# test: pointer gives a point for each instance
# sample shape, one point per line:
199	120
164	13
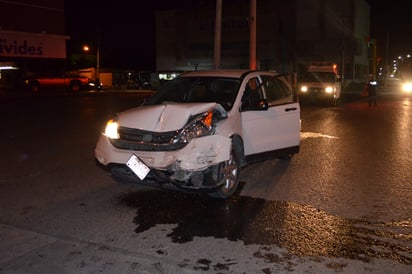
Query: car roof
231	73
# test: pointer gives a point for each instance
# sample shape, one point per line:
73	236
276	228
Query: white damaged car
198	130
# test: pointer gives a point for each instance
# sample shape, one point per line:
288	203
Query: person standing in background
372	91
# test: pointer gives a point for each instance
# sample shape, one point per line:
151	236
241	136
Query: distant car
198	130
406	84
66	82
407	87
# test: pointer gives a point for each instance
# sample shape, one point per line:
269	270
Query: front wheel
335	101
228	173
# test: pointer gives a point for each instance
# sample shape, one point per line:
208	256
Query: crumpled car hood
162	118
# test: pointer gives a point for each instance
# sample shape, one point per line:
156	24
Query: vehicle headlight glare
407	87
304	89
329	90
111	129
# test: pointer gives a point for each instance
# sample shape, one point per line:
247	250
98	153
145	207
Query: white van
320	83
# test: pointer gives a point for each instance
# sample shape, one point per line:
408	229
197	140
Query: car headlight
198	126
329	89
111	129
304	89
407	87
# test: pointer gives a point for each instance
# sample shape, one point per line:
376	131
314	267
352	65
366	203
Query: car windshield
319	77
197	89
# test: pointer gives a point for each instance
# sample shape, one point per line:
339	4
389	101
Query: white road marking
305	135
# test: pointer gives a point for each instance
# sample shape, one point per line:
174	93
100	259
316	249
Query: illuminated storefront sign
32	45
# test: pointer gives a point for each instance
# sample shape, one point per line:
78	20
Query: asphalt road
343	204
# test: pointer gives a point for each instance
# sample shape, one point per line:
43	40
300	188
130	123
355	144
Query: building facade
32	37
290	35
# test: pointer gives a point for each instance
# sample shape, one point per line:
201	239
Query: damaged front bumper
192	167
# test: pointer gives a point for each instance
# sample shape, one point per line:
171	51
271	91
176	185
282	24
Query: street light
86	48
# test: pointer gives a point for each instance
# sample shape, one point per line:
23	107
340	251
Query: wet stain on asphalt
302	229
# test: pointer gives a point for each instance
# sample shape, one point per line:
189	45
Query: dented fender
204	152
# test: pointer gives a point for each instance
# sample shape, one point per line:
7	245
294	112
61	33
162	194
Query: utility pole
218	34
98	58
252	46
342	78
386	58
374	67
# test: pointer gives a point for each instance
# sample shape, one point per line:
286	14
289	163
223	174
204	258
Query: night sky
391	24
127	33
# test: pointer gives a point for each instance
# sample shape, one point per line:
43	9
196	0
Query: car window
198	89
171	91
277	91
225	91
252	94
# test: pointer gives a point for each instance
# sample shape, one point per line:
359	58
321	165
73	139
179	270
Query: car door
274	127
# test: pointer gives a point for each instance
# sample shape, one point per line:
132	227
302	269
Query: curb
25	251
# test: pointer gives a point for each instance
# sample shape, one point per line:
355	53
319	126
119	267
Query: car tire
75	86
338	102
229	173
334	101
35	87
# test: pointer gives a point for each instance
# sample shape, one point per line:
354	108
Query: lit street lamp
97	76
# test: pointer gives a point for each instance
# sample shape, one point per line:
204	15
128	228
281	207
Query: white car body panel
259	127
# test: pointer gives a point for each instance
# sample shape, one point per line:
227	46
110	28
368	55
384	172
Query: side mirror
262	105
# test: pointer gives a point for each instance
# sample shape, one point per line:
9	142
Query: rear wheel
228	173
75	86
35	87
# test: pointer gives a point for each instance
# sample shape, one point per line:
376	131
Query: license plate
138	167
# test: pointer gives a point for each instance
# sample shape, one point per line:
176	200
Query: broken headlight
198	126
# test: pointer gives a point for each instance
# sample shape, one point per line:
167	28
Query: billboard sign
32	45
